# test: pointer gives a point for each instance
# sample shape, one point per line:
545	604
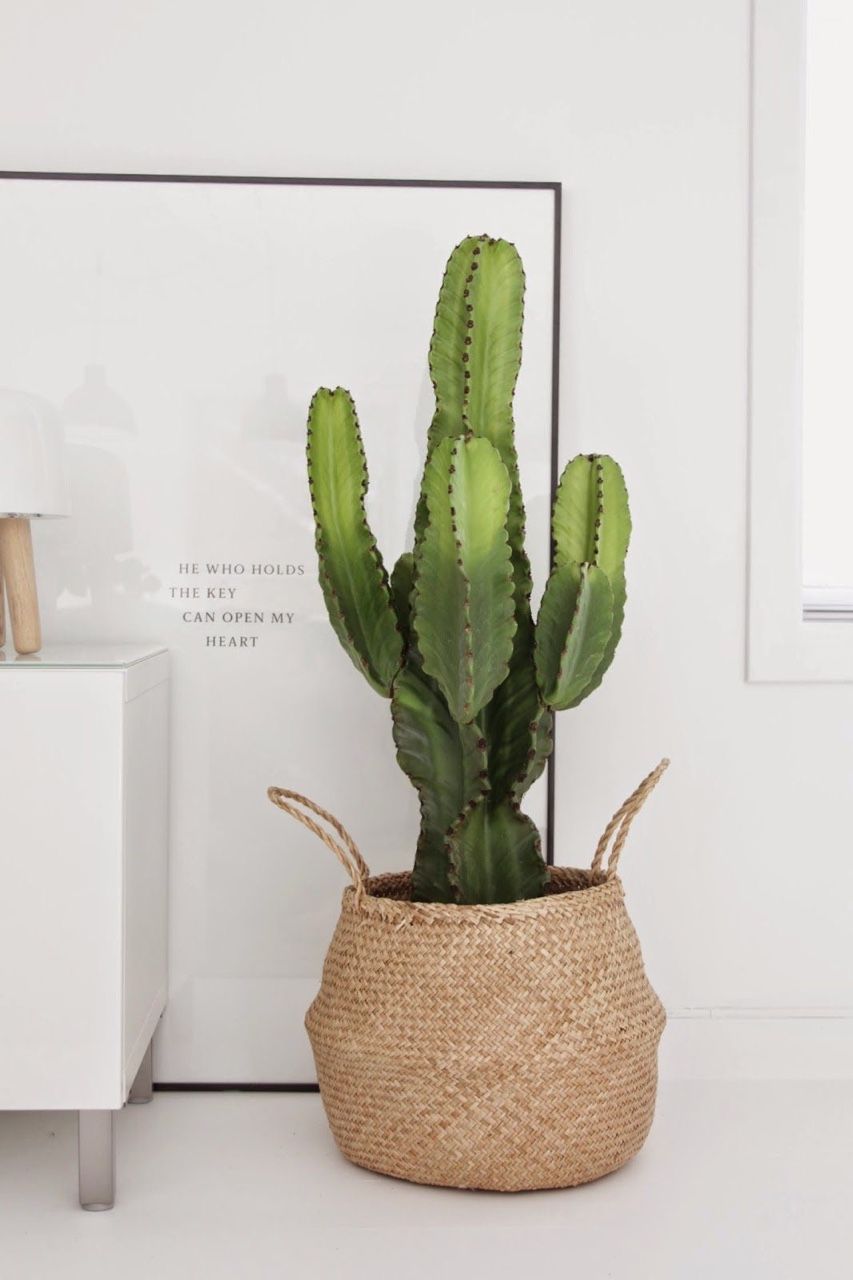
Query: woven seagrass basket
506	1047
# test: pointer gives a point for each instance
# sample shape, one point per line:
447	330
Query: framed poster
177	328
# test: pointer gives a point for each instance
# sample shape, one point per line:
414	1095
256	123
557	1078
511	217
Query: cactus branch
450	337
475	356
446	763
572	631
352	575
495	855
463	595
402	582
541	731
508	718
592	522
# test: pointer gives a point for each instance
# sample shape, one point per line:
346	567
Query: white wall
739	875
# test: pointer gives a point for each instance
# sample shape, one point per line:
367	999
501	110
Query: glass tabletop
80	655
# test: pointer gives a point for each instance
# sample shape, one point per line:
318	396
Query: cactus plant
449	637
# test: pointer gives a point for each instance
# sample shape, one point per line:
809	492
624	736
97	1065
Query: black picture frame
11	175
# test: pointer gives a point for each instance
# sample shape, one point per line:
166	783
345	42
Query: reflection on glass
96	404
273	416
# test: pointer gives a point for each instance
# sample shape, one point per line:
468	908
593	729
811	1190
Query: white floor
743	1180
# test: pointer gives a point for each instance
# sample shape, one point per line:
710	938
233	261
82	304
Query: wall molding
712	1042
760	1012
769	1043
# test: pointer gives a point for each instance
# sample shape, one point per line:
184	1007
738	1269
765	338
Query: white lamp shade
32	480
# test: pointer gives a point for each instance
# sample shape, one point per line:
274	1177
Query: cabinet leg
142	1089
97	1159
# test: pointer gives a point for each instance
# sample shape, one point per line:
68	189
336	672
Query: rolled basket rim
403	910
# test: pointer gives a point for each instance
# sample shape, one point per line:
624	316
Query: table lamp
32	486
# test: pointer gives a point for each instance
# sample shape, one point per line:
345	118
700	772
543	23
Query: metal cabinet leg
97	1159
142	1089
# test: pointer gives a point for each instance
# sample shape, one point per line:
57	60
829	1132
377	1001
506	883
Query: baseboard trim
758	1044
240	1086
710	1043
761	1013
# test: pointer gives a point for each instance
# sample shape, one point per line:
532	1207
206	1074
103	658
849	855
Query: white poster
177	330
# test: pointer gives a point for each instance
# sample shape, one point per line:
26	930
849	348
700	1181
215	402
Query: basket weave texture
503	1047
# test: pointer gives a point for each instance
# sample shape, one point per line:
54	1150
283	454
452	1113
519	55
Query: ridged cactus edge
449	636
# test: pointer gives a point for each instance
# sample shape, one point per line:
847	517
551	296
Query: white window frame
786	642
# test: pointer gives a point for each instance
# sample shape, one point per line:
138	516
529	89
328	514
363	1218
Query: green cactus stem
463	593
446	762
474	683
352	575
495	855
573	629
592	522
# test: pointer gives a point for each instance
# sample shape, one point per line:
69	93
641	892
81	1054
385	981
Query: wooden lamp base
17	572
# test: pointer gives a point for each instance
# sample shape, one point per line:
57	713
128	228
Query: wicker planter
505	1047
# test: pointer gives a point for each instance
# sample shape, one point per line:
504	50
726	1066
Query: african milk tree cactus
450	638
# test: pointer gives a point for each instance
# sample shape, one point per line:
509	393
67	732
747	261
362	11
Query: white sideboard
84	750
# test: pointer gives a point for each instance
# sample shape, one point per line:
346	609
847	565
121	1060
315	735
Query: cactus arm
492	359
475	356
447	346
352	575
402	581
506	724
575	512
617	586
592	522
613	540
541	738
463	595
446	763
446	368
475	352
572	631
496	317
508	717
495	855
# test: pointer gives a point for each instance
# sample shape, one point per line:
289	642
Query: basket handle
620	823
345	848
